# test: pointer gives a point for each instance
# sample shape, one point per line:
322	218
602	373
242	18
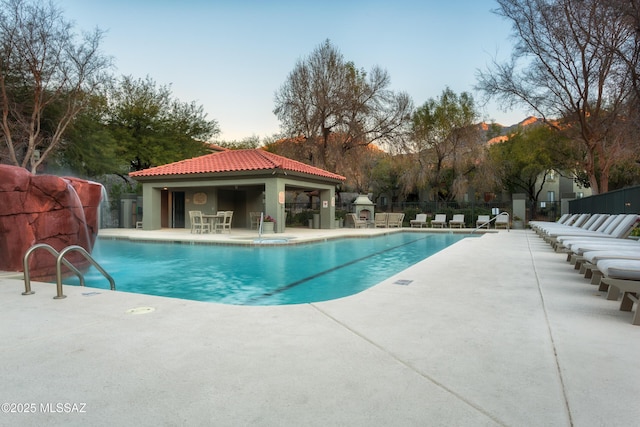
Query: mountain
503	132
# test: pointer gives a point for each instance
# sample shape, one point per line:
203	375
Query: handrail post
260	226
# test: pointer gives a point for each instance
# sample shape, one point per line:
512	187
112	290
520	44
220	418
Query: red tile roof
235	161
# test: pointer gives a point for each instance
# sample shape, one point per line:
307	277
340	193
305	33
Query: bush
409	214
470	215
341	213
302	218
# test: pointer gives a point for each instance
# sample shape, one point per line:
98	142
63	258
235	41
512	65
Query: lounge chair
502	221
536	225
381	220
483	221
576	254
225	224
357	222
198	225
440	221
622	275
572	223
617	229
420	221
595	223
457	221
562	220
605	227
395	220
587	262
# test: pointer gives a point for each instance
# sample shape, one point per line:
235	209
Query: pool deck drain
141	310
498	330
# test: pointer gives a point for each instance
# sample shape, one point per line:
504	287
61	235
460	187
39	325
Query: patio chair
381	219
483	221
457	221
502	221
254	220
198	224
440	221
419	222
395	220
357	222
225	224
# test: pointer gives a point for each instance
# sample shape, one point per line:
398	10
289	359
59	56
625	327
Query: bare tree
628	12
325	95
46	77
560	68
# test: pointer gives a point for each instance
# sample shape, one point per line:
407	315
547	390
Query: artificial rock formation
45	209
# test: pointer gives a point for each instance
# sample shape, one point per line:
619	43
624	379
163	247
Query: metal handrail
492	220
88	258
260	225
52	251
59	261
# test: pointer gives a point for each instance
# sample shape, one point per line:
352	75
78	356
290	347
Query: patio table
213	219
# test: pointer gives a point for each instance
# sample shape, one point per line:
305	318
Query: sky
231	56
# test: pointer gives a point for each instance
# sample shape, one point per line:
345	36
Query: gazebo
242	181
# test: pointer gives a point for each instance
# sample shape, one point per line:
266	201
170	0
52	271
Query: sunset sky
232	56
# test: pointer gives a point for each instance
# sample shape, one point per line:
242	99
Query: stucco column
274	202
328	208
151	207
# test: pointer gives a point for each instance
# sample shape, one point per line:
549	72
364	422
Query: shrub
409	214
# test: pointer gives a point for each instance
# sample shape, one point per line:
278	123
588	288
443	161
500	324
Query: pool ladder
59	261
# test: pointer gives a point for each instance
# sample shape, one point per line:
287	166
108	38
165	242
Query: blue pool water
260	275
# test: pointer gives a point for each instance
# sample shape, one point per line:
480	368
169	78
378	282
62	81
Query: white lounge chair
420	221
457	221
604	230
622	275
536	225
615	230
440	221
502	221
592	223
483	221
587	262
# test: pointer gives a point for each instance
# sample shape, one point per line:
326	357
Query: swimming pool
260	275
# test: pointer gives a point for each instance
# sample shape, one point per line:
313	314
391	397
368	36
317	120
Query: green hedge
470	215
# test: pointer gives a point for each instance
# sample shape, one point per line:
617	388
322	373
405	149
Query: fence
301	213
626	200
543	211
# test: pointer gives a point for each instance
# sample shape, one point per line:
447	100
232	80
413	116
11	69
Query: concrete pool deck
497	330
